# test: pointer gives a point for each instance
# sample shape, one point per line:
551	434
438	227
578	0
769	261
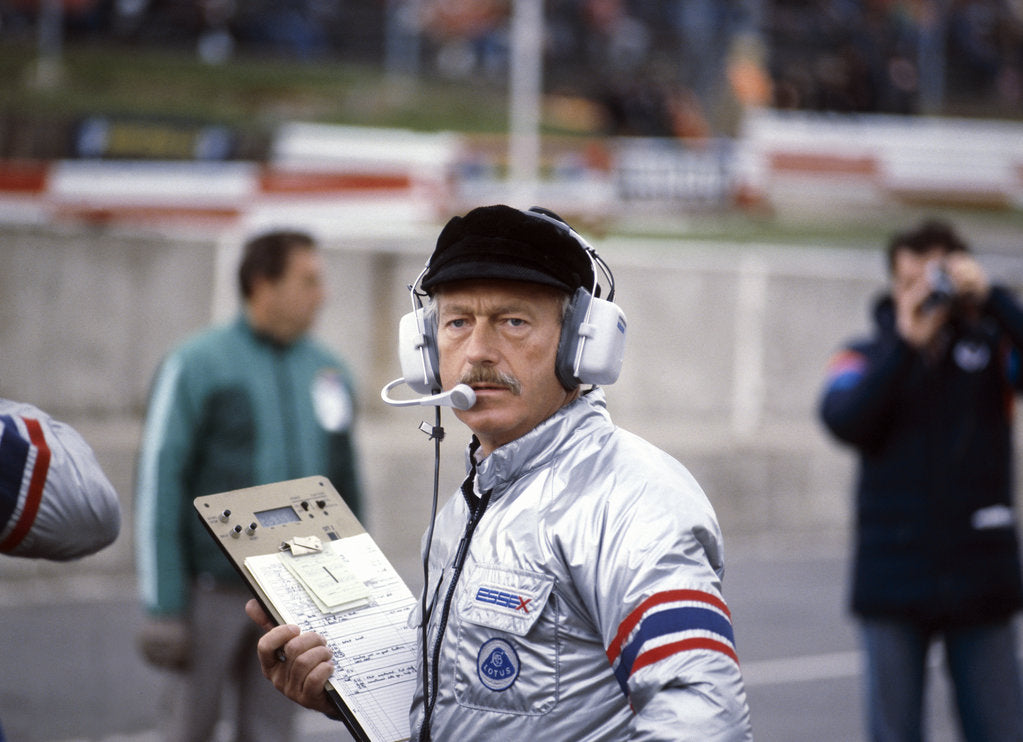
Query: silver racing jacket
55	501
589	605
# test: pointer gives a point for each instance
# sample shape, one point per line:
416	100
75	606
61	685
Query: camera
943	291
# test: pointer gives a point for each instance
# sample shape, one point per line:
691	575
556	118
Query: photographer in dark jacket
927	403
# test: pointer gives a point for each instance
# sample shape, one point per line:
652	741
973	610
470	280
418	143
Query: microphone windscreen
462	396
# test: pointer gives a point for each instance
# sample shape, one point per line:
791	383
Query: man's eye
516	321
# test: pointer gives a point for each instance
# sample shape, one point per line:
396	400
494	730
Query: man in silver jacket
575	580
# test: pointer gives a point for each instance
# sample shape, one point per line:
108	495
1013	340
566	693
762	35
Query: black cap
502	242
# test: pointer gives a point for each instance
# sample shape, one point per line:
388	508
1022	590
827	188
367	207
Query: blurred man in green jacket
247	403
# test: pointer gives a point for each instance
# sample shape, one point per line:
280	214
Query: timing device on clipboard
311	563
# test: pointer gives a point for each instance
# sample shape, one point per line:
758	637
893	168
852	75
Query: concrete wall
85	315
726	349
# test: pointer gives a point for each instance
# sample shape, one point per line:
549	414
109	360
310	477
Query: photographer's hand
970	280
916	324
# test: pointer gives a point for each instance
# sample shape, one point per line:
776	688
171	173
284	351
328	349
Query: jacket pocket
507	643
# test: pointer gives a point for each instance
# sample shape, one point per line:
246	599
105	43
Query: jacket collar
244	322
537	448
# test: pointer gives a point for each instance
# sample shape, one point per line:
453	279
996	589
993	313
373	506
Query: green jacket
229	409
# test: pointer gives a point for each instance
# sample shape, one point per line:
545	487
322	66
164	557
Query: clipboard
310	562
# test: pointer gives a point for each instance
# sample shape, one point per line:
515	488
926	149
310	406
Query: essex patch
508	600
515	601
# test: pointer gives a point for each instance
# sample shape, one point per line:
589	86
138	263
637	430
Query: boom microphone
460	396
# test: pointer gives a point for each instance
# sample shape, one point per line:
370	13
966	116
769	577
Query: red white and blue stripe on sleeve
23	468
845	369
670	623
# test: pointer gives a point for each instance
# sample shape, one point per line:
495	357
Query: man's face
292	302
501	338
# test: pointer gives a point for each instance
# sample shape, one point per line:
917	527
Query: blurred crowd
888	55
648	67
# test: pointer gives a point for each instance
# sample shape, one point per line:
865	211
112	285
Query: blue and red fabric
845	369
23	468
667	624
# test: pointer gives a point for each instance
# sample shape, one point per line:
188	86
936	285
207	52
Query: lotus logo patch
497	664
971	355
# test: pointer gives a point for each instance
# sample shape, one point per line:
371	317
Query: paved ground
70	672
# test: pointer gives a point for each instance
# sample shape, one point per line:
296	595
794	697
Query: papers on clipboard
351	595
325	575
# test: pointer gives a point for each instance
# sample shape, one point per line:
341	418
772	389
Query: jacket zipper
456	571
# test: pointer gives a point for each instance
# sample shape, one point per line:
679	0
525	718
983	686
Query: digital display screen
277	516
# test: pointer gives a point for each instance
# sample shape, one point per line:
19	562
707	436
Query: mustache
490	376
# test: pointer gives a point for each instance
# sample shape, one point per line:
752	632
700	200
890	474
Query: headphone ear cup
417	352
568	345
602	337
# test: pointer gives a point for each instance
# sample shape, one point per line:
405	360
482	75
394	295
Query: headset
590	351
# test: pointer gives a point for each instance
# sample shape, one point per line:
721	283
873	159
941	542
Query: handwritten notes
365	625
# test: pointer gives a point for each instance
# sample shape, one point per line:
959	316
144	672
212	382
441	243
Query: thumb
255	611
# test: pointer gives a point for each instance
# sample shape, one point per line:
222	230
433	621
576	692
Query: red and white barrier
350	180
328	178
822	161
